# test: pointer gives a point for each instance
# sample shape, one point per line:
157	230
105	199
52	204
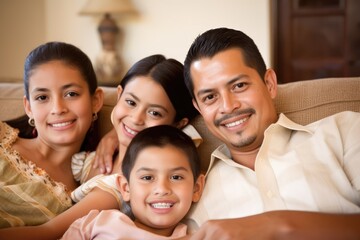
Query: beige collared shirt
310	168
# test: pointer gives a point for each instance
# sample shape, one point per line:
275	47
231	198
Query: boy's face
161	188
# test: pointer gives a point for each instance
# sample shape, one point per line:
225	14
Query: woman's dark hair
72	56
169	73
217	40
160	136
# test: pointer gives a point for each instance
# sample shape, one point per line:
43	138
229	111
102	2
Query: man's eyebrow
230	82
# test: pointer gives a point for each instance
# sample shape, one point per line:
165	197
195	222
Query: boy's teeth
60	124
236	123
161	205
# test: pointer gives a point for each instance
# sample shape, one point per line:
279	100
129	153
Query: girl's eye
130	102
41	98
155	113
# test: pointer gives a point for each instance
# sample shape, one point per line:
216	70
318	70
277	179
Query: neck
246	159
118	161
167	232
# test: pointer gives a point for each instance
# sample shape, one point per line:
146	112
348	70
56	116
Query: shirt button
269	194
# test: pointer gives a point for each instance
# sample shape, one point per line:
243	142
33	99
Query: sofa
303	102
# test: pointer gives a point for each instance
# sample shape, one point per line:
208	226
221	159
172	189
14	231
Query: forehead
146	88
167	157
223	66
56	72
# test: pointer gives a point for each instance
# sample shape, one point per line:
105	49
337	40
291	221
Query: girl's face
60	103
142	104
161	188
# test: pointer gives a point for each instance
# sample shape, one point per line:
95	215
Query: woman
151	93
61	101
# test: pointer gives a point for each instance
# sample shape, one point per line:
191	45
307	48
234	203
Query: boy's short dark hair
160	136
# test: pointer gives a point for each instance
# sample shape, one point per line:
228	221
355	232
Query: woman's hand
105	151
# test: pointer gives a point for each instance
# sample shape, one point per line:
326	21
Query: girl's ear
182	123
123	186
198	188
98	100
27	107
119	91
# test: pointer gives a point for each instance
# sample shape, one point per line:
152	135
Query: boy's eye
71	94
177	177
147	178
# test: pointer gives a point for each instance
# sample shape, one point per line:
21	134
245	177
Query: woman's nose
59	106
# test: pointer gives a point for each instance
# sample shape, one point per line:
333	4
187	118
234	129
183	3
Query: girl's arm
56	227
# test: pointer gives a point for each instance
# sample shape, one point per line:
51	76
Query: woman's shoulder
8	135
81	165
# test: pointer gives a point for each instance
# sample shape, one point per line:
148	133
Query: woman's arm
56	227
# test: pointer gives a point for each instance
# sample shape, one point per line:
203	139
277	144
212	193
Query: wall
160	26
22	26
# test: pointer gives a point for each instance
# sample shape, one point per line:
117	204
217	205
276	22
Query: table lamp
108	66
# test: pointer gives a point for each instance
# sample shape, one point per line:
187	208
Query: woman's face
60	103
142	104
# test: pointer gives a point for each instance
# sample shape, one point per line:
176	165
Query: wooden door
316	39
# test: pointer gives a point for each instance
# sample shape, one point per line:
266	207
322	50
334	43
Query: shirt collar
222	152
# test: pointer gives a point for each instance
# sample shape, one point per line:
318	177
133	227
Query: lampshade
93	7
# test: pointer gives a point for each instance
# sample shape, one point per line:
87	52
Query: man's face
233	99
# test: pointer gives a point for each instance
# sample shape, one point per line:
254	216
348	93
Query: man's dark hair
217	40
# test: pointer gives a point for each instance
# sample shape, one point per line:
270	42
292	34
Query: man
272	178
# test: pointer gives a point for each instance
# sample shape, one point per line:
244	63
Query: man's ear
123	186
182	123
198	188
271	82
27	107
195	104
97	100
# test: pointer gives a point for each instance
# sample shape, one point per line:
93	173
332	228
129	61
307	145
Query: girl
61	102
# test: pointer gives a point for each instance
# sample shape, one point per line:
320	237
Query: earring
31	122
94	117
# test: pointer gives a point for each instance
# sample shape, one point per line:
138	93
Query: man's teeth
61	124
162	205
233	124
130	131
